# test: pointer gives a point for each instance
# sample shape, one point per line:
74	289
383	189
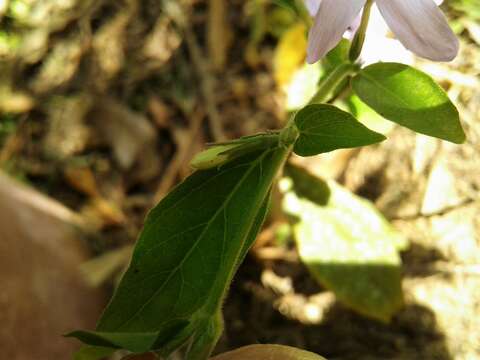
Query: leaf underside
184	260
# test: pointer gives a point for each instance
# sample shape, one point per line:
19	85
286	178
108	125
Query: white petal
421	27
332	20
312	6
379	45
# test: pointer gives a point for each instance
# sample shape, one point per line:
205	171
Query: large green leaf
185	258
348	247
409	98
325	128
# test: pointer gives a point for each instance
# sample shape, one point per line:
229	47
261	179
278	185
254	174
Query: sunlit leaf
409	98
264	352
185	258
349	248
325	128
367	116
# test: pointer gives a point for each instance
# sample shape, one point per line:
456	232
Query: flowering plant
194	240
418	24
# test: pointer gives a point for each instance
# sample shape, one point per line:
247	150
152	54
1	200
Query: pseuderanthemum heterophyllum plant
418	24
193	241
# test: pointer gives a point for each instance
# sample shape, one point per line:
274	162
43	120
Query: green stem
359	39
331	82
303	13
289	133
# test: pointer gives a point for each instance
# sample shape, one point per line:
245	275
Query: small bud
215	156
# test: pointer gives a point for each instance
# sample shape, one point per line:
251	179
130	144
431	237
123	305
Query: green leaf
186	256
93	353
221	153
349	248
409	98
213	156
367	116
319	193
138	342
325	128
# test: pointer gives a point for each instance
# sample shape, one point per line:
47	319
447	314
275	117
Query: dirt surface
104	104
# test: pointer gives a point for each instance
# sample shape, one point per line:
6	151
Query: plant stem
359	39
332	81
290	133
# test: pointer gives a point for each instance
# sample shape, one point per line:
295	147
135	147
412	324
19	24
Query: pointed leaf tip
409	98
325	128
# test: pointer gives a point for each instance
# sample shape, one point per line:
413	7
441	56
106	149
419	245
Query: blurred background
103	103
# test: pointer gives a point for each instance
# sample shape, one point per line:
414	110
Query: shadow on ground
252	317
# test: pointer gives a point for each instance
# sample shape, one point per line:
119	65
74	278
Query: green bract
185	258
221	153
325	128
409	98
214	156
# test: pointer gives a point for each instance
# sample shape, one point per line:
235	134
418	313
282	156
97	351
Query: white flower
418	24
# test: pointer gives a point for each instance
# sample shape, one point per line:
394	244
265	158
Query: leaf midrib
187	255
383	87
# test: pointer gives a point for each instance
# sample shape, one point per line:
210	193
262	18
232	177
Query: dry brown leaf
108	47
15	102
128	133
67	133
61	64
81	179
162	41
102	213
